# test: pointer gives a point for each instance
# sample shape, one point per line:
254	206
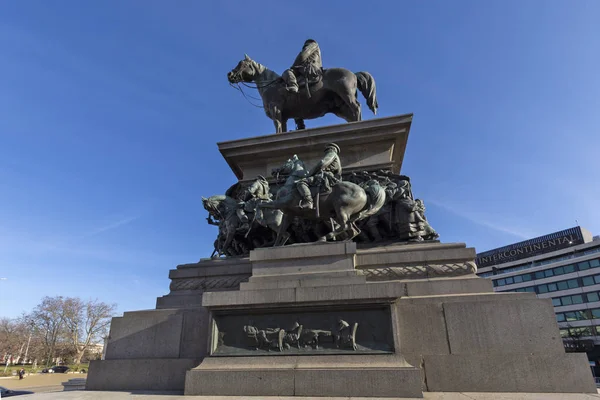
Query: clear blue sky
110	112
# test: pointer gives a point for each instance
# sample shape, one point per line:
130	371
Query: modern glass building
563	266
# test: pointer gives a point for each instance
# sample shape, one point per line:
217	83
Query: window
527	277
556	302
560	317
539	275
566	301
559	271
593	296
530	289
509	280
543	289
572	283
595	263
548	273
501	282
577	299
563	285
582	266
570	316
564	333
552	287
597	278
576	315
569	269
595	313
581	331
588	281
518	278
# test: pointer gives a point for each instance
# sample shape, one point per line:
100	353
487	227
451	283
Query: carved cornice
419	271
211	283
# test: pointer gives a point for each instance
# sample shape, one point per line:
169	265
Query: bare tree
86	323
49	322
12	339
66	327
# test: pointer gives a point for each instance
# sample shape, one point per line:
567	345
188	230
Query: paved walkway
39	382
48	387
84	395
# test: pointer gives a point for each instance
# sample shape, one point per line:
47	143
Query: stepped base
319	376
445	334
160	374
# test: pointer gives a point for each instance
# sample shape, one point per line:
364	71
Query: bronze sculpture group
301	205
320	204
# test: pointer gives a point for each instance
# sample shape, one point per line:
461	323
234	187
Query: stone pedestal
312	285
447	333
328	319
366	146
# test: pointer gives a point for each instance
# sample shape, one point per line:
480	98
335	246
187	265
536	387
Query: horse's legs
230	234
299	123
342	220
342	217
281	235
277	124
354	229
280	124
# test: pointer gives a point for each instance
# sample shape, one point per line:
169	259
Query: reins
244	94
256	86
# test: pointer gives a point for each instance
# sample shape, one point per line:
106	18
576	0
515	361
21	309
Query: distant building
563	266
95	351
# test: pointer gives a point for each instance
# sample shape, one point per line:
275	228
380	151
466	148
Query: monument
326	277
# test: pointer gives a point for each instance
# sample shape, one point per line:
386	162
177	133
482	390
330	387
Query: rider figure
308	64
330	166
254	194
258	190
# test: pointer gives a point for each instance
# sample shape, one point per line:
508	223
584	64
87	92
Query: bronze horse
224	210
335	93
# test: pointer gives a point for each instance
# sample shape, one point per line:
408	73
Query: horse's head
291	165
245	71
212	205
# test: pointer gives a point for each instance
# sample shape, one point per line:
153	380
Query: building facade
563	266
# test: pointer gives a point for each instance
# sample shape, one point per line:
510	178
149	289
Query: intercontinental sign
530	248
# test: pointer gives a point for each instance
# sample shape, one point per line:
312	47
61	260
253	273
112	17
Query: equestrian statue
297	204
306	90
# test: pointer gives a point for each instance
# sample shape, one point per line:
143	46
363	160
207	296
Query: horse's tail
366	85
375	200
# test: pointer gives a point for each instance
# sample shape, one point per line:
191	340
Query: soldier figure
330	166
258	190
308	64
429	232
